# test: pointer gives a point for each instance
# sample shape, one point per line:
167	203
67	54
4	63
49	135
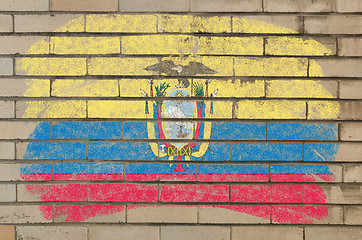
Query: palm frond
199	90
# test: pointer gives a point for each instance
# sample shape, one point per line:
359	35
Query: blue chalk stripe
238	131
120	151
88	168
87	130
266	151
299	169
233	169
320	152
303	131
36	168
58	150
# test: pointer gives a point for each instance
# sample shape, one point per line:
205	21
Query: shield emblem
179	109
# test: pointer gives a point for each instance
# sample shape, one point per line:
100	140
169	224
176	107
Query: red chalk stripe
266	193
194	193
233	178
123	192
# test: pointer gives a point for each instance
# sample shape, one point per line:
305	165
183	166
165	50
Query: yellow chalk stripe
271	109
168	23
132	87
121	23
37	88
194	24
120	66
295	46
221	109
222	65
296	67
315	70
247	25
156	44
51	66
75	25
323	109
117	109
296	89
85	45
84	88
230	45
55	109
235	88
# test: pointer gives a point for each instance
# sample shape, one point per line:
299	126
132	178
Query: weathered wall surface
180	119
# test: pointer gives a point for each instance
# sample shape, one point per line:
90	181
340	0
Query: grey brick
353	173
352	6
226	6
162	214
84	5
7	192
154	5
194	232
27	5
123	232
350	111
6	66
6	23
333	233
7	150
338	67
299	5
7	109
333	24
350	47
350	89
352	215
10	172
22	214
351	131
267	233
52	232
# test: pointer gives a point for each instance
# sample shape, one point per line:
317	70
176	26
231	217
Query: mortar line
164	77
13	23
222	13
240	120
190	99
85	22
304	233
230	230
339	89
159	232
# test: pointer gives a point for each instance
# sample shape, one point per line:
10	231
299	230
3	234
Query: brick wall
274	149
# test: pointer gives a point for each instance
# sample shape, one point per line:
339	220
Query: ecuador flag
149	115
